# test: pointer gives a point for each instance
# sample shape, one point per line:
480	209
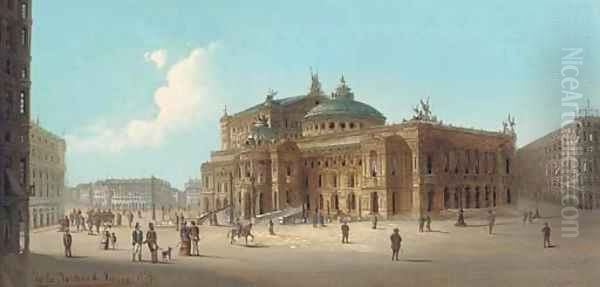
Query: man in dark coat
491	222
345	232
152	241
137	239
67	242
546	230
374	221
130	218
396	241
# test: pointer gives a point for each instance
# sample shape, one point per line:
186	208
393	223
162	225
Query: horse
245	231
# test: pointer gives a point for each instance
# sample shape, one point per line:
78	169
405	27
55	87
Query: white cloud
182	101
158	57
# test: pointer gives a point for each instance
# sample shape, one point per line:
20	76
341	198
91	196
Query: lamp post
153	199
26	219
230	198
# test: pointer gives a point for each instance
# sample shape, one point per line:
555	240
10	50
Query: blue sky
127	112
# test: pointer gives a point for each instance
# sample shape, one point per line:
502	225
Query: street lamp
230	198
153	199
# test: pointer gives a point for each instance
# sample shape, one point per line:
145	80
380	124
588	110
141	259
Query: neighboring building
127	193
47	170
564	163
15	58
192	193
337	155
180	198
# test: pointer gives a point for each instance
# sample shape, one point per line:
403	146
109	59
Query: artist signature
92	279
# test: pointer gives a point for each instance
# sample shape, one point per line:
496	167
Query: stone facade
192	193
47	169
337	155
564	166
15	58
137	193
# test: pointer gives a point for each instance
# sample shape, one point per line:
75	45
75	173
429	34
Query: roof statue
508	126
343	91
271	94
315	85
262	121
225	111
423	112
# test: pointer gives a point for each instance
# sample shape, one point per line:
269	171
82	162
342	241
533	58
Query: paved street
304	256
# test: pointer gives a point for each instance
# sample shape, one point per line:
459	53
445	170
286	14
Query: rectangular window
22	171
24	37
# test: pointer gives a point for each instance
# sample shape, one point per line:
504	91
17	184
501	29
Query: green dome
344	107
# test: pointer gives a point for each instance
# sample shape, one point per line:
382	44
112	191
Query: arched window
373	163
429	165
331	125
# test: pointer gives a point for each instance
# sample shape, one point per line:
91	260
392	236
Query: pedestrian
66	223
271	231
421	223
194	237
547	230
530	216
374	221
491	222
176	222
113	240
461	219
72	218
137	239
345	232
67	242
90	225
119	219
428	223
525	216
130	218
106	239
77	221
152	241
396	241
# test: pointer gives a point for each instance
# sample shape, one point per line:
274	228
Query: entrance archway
430	195
374	202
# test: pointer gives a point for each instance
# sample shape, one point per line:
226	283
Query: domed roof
343	104
344	107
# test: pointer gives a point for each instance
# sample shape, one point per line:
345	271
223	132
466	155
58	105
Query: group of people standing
190	237
137	240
